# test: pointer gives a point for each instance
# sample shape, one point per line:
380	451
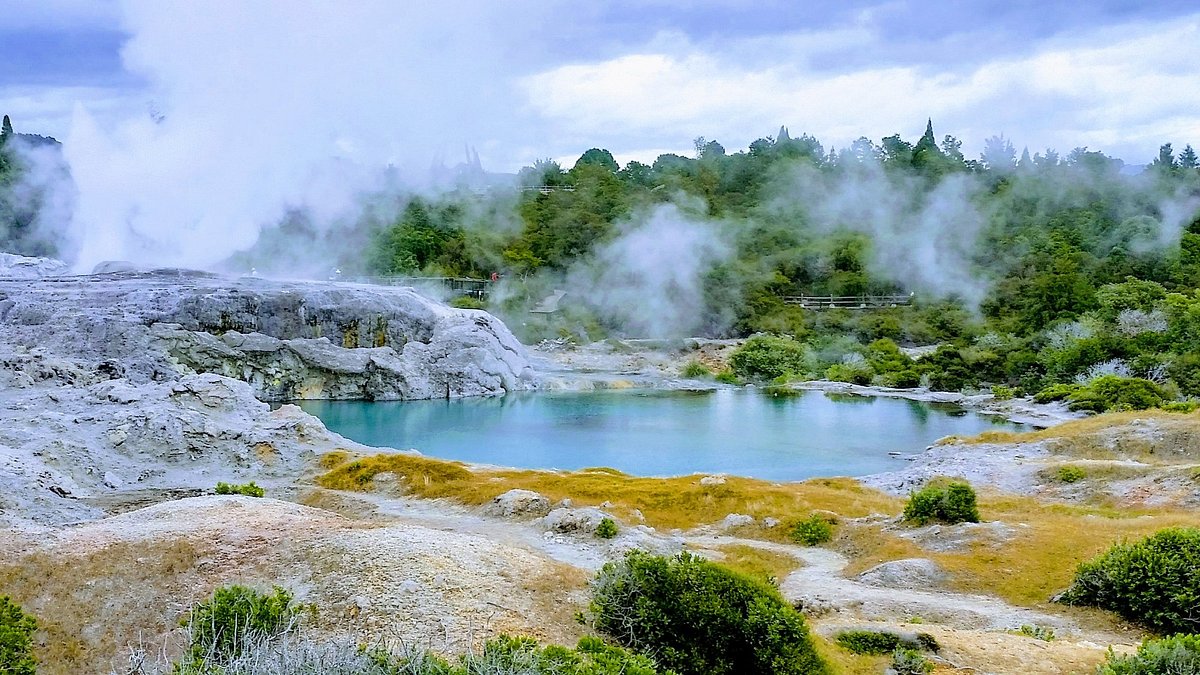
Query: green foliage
907	661
1154	582
1037	632
1069	474
222	625
1003	393
943	501
812	531
468	302
1056	392
1112	392
695	369
727	376
607	529
247	489
878	642
1175	655
695	617
765	357
16	637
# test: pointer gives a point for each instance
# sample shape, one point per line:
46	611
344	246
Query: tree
999	155
896	150
6	130
1187	158
1165	162
598	157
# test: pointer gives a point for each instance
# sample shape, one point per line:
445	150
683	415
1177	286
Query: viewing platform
849	301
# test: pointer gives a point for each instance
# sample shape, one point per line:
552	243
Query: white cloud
1116	89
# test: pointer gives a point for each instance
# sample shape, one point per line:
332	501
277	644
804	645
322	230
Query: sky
648	76
189	125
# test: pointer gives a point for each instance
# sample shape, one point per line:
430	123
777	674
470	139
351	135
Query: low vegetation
812	531
607	529
246	489
234	616
942	501
876	642
16	639
1154	582
1175	655
695	617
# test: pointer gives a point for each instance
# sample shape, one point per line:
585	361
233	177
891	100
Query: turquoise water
655	433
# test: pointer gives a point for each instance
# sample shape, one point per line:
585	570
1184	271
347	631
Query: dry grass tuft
758	563
664	502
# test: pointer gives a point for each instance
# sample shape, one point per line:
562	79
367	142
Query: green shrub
1070	474
1112	392
248	489
948	502
695	369
1154	582
696	617
607	529
1175	655
507	655
765	357
728	377
812	531
1055	392
468	302
879	642
855	373
16	639
1043	633
220	626
1003	393
907	661
1181	406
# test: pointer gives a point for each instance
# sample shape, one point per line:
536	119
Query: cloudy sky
640	77
189	124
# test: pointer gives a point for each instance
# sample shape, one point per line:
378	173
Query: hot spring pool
658	433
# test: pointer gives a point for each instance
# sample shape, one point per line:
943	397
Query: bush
854	373
877	643
812	531
16	639
1112	392
696	617
248	490
695	369
221	625
766	357
1055	392
1070	474
1176	655
910	662
1003	393
728	377
1154	582
948	502
607	529
1043	633
468	302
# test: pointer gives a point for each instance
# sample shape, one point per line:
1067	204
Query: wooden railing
476	288
848	301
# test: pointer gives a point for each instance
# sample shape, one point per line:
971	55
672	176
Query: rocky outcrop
24	267
288	340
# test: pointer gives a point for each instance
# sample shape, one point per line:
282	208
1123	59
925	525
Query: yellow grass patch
1086	427
758	563
664	502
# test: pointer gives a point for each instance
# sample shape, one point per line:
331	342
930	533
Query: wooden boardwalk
849	301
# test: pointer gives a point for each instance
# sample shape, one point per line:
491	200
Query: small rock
519	503
913	573
408	586
736	520
770	522
584	520
712	480
637	515
112	480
